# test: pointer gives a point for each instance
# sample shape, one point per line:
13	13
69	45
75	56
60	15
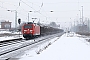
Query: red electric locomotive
30	30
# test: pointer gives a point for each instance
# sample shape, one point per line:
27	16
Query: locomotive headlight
25	30
31	31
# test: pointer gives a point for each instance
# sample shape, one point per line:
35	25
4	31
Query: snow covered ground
10	37
67	47
7	37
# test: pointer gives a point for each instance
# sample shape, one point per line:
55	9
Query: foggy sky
63	10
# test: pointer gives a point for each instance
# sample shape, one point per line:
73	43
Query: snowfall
69	46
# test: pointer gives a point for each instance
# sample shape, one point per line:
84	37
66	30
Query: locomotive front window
28	26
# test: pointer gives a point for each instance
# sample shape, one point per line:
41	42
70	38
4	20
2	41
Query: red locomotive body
30	30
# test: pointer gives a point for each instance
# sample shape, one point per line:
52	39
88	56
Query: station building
6	25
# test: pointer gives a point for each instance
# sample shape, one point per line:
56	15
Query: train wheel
27	38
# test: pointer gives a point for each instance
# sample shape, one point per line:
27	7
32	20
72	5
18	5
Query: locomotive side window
27	26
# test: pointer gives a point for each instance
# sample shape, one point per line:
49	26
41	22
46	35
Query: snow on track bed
65	48
27	43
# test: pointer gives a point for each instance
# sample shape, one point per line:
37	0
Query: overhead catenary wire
40	6
39	11
33	8
11	5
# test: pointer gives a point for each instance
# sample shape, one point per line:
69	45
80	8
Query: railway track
15	45
9	42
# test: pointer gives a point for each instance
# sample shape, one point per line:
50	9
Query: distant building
82	28
6	25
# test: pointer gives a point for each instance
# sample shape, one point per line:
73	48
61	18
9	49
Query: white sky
63	10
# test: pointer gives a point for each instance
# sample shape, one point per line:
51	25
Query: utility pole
88	25
15	19
82	14
74	27
71	25
28	17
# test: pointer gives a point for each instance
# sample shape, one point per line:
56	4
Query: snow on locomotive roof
29	22
32	23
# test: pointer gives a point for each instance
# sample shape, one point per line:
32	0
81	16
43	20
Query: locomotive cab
30	30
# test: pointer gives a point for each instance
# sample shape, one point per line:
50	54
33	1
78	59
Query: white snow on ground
68	47
6	31
10	37
1	32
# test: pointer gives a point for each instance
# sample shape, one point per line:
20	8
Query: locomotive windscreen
28	26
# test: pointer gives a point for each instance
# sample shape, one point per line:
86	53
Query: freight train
30	30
